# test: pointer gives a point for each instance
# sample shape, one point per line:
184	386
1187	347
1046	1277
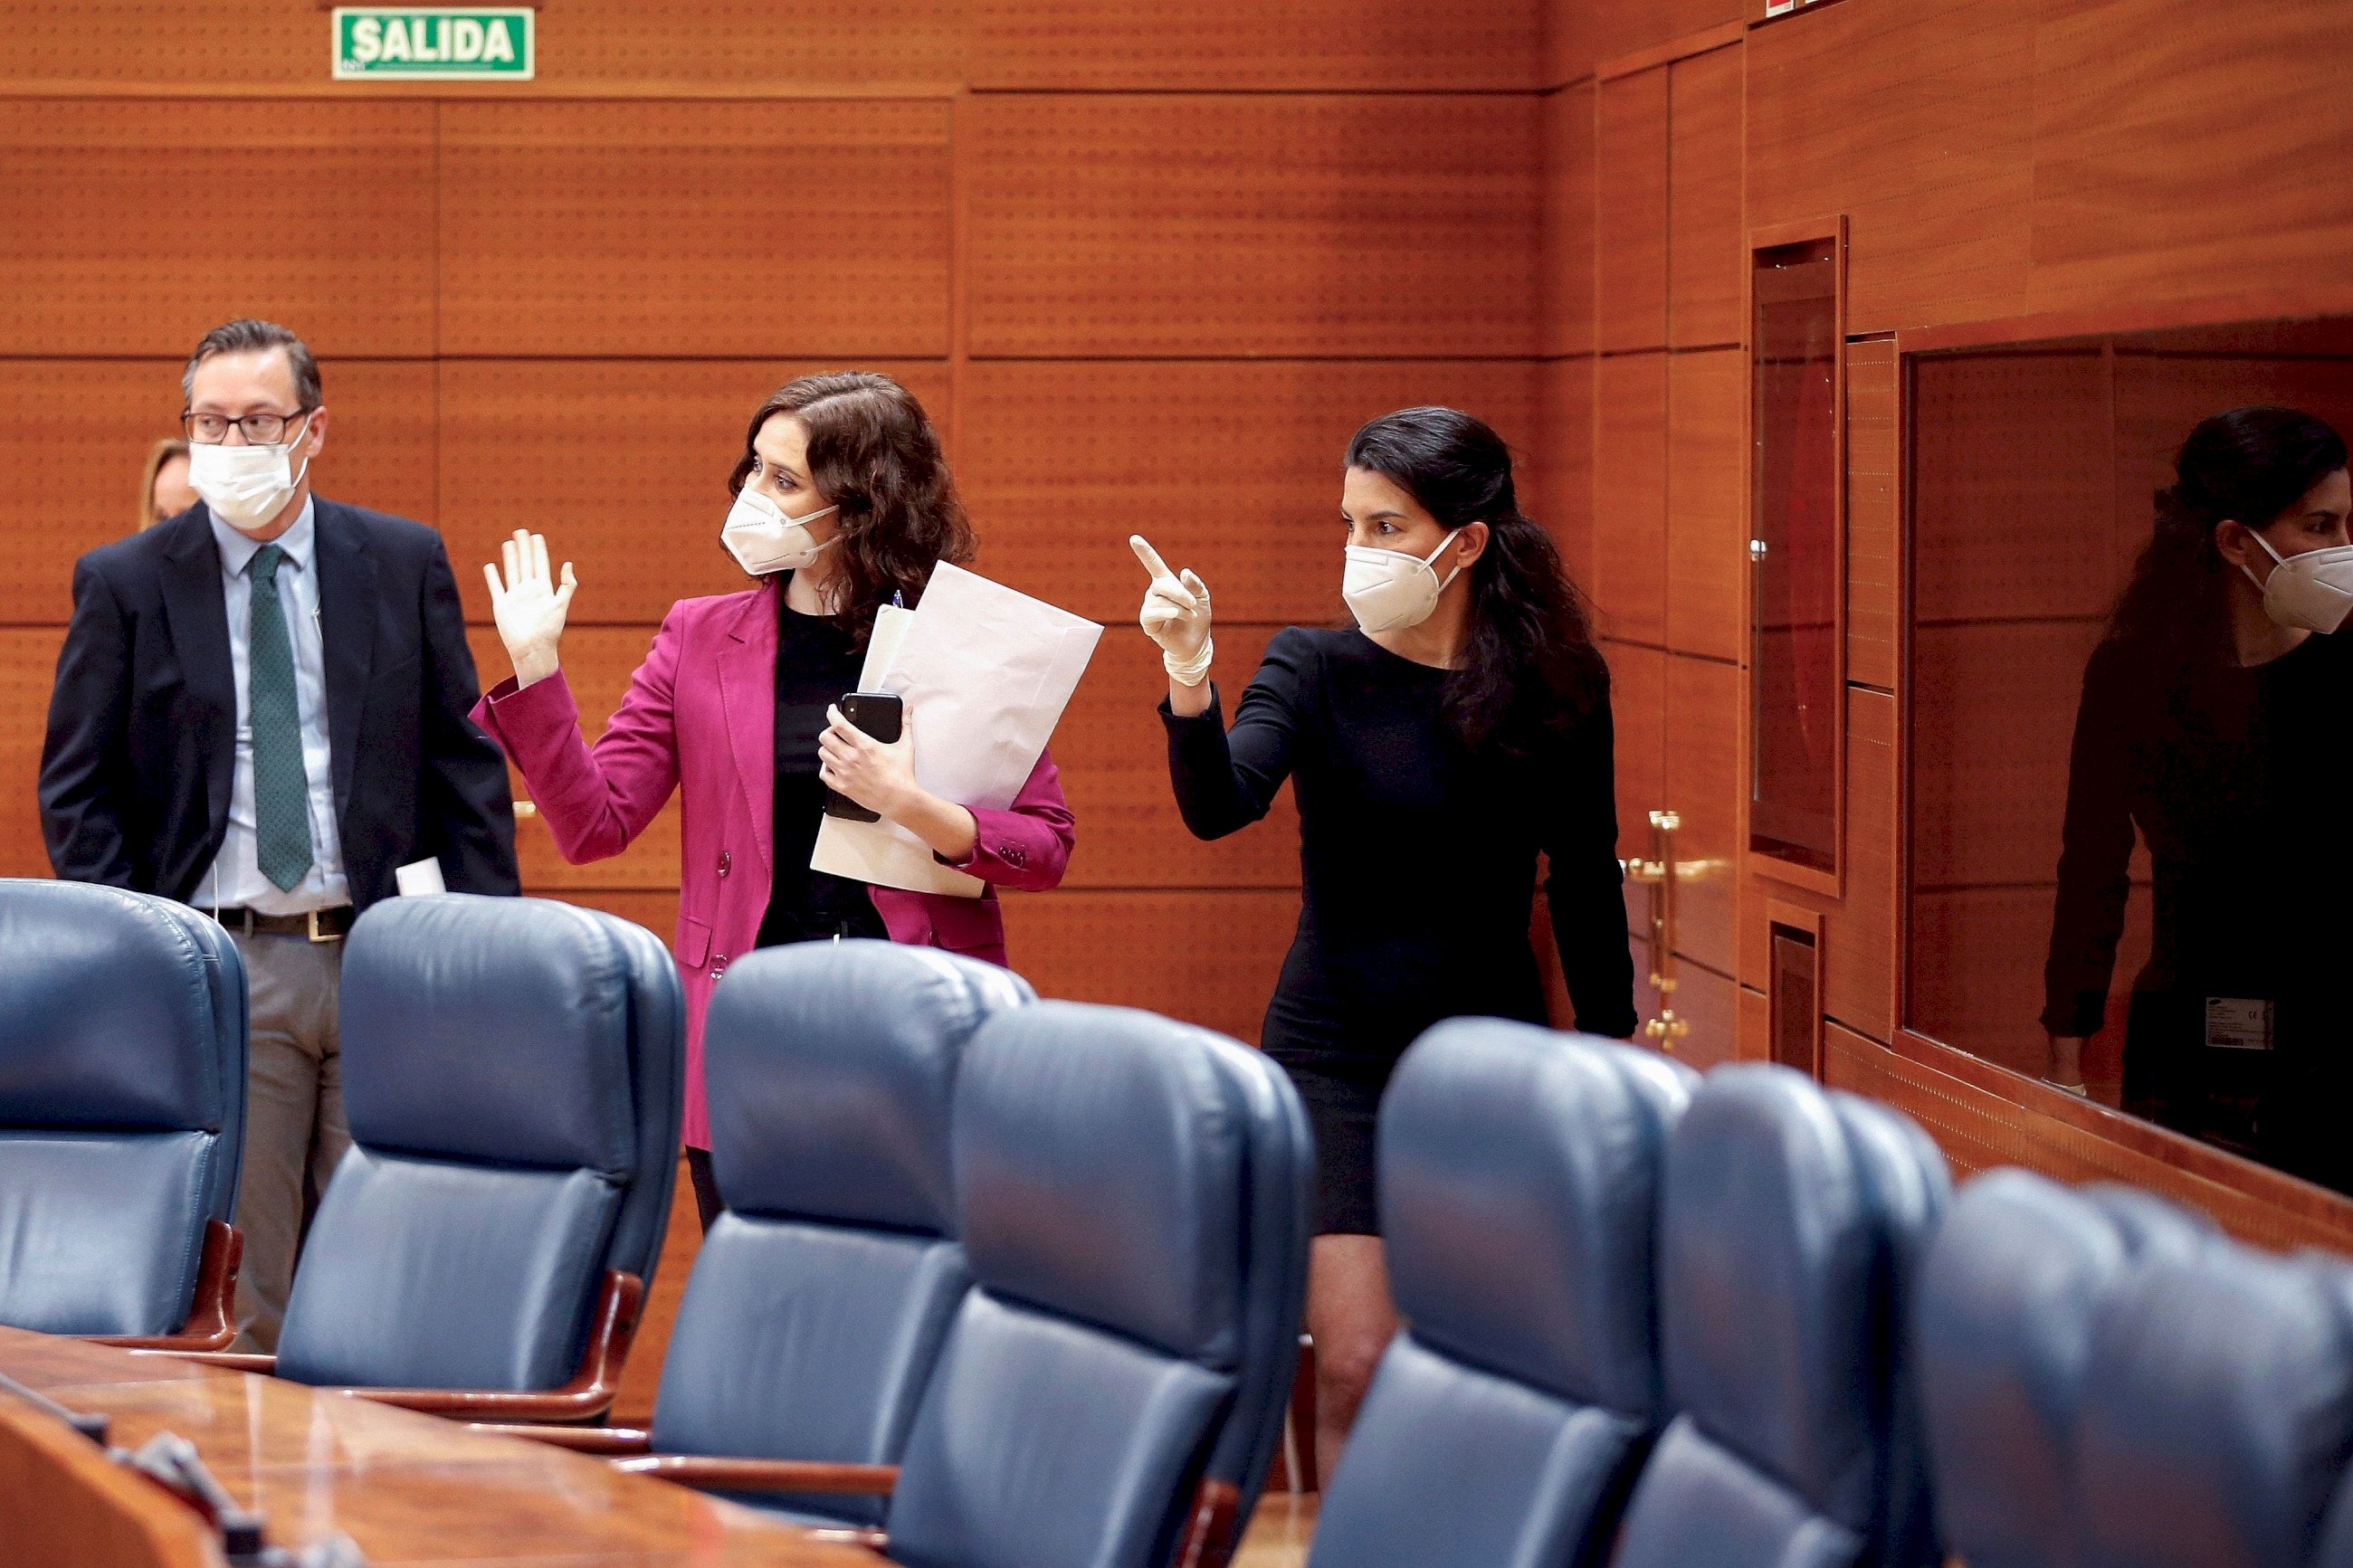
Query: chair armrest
234	1361
609	1440
589	1394
869	1537
212	1315
1209	1534
766	1475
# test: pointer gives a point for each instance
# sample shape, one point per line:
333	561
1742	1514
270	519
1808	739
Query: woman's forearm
947	829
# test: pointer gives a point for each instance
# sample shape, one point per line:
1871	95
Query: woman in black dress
1435	751
2215	720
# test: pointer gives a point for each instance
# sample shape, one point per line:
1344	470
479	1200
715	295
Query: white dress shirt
236	881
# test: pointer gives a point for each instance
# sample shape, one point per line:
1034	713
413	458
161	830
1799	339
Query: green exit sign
383	43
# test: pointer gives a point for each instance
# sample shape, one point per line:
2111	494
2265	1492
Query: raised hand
529	604
1176	614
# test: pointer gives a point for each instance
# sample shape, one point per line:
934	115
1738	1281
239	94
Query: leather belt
317	925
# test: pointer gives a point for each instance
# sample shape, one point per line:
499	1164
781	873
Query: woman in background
2215	720
1460	731
164	489
843	502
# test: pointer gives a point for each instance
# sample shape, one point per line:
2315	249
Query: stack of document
984	673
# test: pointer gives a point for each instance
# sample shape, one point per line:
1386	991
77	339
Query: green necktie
281	793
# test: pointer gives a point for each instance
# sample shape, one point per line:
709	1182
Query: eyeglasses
260	429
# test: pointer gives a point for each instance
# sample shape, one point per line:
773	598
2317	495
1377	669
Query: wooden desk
410	1489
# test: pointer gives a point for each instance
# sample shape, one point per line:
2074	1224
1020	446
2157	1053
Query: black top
142	721
816	663
2222	770
1417	858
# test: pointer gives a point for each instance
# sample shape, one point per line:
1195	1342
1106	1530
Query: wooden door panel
1705	246
1707	534
1209	957
1630	496
118	240
1232	469
1138	46
1246	225
622	464
1630	213
694	229
1569	168
1112	749
1703	778
1873	519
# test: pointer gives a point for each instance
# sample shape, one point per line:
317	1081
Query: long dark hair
1529	667
2247	466
872	452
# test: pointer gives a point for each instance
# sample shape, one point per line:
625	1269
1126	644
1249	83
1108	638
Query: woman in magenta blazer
843	502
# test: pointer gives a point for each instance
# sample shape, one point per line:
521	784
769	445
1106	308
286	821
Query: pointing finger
1149	556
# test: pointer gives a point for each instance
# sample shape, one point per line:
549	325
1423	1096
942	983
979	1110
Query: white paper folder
984	673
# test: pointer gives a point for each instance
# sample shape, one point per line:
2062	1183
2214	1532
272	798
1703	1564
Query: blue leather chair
122	1041
2217	1415
1133	1197
820	1296
2001	1333
1519	1199
1792	1223
512	1073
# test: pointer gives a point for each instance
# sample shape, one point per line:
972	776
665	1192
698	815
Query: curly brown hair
873	453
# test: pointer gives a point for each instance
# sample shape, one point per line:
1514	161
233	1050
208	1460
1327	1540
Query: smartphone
879	714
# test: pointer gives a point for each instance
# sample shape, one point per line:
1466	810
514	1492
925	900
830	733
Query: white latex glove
1176	615
528	605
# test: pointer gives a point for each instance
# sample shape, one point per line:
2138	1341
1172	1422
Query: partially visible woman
1462	730
2217	719
164	489
843	503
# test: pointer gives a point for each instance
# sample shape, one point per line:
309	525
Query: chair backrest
1519	1175
1792	1226
2216	1414
820	1296
512	1072
1133	1197
123	1042
2002	1334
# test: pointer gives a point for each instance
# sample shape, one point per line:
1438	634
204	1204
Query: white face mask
244	487
764	540
2312	592
1388	590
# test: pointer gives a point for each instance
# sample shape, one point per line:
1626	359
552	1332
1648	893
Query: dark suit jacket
141	739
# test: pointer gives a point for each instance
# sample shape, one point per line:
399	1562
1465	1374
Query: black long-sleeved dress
1417	864
2225	771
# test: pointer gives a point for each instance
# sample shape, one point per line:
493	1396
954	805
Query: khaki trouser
294	1130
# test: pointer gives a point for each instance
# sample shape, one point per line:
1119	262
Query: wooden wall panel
1136	46
74	434
1579	35
1703	776
1569	171
1708	532
1207	957
1993	712
1559	483
2150	176
597	664
1232	469
2010	472
622	464
690	228
1918	121
1711	1004
1630	213
1638	713
1113	751
1706	248
1874	604
1976	968
1630	496
111	249
1253	225
28	663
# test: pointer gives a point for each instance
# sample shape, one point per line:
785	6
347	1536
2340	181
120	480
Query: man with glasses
261	710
